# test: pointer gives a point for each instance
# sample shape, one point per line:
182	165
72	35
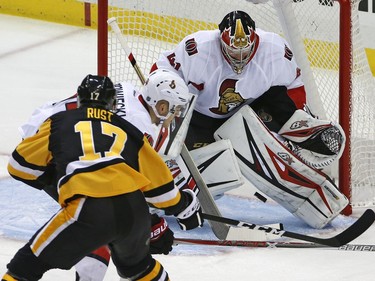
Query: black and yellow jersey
93	152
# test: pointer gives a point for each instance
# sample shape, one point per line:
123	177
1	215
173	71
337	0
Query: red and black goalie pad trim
263	170
203	166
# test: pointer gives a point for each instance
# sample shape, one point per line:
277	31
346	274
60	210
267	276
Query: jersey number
88	143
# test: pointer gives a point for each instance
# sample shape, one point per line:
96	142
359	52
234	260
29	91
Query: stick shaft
204	195
116	29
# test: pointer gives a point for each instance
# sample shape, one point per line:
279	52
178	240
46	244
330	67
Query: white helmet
166	85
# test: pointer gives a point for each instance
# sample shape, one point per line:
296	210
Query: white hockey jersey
221	92
129	107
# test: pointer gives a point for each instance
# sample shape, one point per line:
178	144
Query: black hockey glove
161	236
191	216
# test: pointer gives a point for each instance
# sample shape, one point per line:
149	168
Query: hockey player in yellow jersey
132	106
107	175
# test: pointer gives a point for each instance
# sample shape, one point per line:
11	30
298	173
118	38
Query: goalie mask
165	85
97	91
238	39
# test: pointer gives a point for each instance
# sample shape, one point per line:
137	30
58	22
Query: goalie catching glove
161	236
316	142
191	216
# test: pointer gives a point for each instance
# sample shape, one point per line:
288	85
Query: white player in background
165	97
280	145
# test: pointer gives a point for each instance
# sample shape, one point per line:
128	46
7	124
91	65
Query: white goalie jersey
221	92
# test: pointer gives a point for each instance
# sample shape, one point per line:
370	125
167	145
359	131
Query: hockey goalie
250	91
285	166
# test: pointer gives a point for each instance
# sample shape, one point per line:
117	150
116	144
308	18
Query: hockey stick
270	244
245	243
116	29
349	234
204	196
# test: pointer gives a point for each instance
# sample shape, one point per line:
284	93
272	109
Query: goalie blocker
306	192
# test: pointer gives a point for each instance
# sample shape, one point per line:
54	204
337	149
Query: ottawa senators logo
229	99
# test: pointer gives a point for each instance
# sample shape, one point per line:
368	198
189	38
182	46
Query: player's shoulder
201	38
68	114
205	35
128	103
200	47
124	87
129	127
66	104
271	45
270	39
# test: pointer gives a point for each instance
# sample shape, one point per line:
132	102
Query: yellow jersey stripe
154	273
16	169
59	222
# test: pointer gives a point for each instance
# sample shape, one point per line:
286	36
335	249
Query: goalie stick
204	196
270	244
349	234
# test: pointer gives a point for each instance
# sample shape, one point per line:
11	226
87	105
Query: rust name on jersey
99	113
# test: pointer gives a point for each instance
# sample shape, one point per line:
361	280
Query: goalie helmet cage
326	41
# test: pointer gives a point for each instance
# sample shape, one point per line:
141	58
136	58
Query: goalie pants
123	222
274	107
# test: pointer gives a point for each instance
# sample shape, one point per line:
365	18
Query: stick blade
356	229
343	238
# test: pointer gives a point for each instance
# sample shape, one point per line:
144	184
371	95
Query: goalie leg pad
305	192
218	166
316	142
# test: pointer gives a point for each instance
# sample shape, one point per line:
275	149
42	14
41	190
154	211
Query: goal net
324	36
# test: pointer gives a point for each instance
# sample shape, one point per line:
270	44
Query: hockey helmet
97	91
238	39
166	85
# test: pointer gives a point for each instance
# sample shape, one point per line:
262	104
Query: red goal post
324	36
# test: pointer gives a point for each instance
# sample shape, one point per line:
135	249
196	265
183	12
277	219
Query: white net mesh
310	26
